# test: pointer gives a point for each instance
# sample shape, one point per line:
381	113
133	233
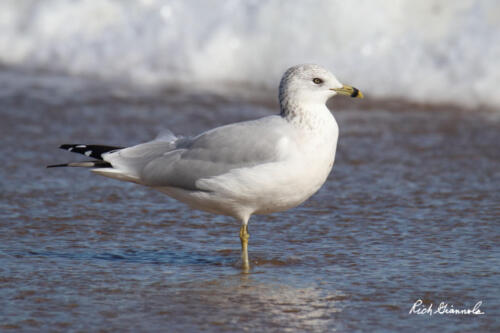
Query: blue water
410	212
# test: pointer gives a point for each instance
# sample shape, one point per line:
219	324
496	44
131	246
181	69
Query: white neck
311	116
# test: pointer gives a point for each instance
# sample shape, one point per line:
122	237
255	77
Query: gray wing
182	162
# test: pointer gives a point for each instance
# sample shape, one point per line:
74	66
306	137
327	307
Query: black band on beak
355	92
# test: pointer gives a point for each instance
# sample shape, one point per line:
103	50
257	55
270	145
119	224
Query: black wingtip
57	165
94	151
83	164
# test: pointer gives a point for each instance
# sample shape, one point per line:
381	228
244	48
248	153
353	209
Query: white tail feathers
116	174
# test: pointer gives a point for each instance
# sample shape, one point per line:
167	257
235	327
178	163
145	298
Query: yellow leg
244	236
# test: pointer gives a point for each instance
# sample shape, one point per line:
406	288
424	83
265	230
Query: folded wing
182	162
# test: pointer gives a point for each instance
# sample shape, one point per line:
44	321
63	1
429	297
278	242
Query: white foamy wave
427	51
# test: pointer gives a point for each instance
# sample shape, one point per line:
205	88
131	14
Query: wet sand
410	212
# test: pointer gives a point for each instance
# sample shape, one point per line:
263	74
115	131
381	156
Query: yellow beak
348	91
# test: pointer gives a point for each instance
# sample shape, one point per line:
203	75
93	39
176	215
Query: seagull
259	166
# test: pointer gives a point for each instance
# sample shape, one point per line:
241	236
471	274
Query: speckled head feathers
307	83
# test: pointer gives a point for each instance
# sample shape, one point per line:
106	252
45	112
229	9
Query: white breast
304	165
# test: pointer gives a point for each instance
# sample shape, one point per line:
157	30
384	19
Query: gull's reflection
246	301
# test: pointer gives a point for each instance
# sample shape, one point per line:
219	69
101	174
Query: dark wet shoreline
410	212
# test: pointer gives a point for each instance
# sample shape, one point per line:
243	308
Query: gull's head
312	84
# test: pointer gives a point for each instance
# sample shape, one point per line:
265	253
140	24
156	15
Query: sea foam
427	51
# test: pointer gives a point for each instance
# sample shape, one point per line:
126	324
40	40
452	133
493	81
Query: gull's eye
317	80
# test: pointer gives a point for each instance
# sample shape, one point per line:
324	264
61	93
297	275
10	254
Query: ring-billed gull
254	167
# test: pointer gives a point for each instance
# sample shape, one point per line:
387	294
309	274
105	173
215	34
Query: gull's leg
244	236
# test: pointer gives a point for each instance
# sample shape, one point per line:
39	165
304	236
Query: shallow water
410	212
